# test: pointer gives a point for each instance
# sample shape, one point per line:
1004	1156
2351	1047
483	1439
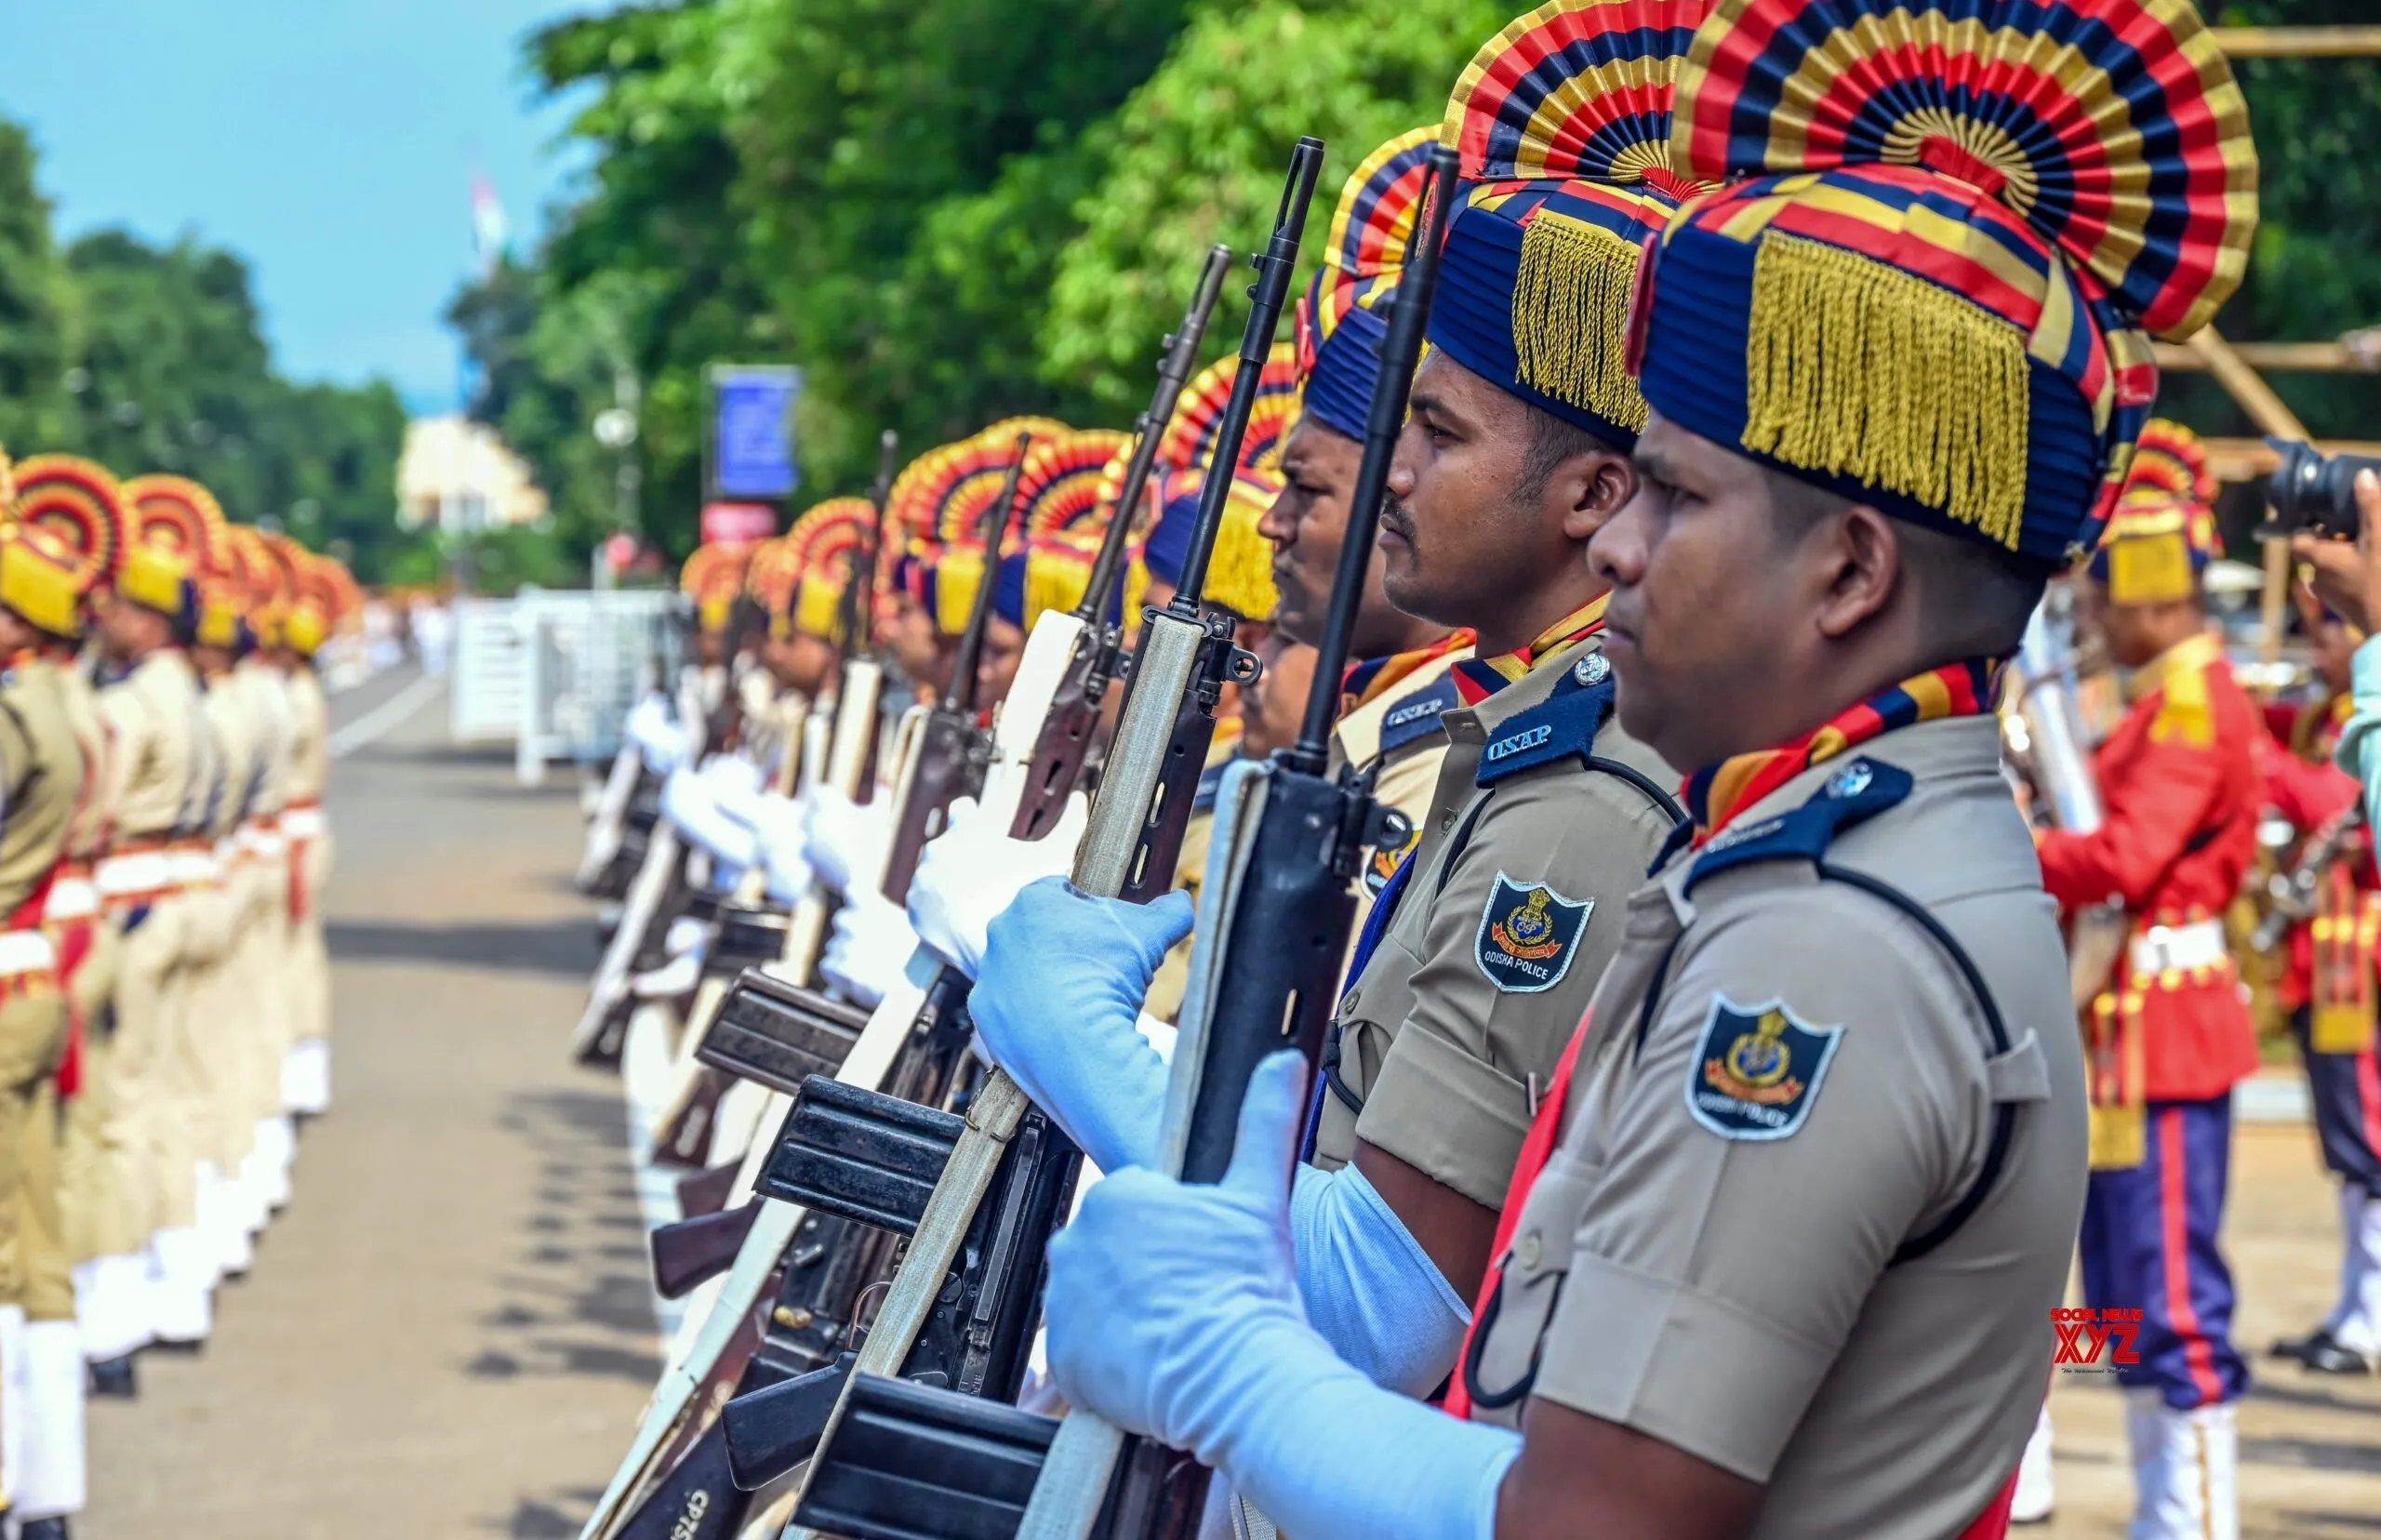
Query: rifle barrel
1401	351
1172	373
1274	267
859	582
962	692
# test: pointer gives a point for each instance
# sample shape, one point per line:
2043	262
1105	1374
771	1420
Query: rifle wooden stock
597	1036
706	1192
692	1250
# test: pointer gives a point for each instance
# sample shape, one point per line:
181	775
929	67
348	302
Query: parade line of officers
164	988
1711	1121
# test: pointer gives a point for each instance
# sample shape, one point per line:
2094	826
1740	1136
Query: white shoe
49	1480
2185	1466
2031	1505
306	1076
182	1278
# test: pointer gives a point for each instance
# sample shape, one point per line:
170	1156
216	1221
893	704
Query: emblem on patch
1528	935
1757	1070
1382	865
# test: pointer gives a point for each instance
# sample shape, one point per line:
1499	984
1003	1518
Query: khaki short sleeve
1724	1258
1453	1095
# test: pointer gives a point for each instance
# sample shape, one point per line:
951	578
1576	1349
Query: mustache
1394	516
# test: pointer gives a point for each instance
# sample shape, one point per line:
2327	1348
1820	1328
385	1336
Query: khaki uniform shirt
1396	736
309	758
231	719
266	690
41	777
149	714
80	701
1710	1254
1466	1004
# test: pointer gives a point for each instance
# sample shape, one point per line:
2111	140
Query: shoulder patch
1382	864
1757	1070
1562	726
1416	717
1528	935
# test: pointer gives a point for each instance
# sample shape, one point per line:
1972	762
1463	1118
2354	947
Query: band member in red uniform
2329	988
2170	1035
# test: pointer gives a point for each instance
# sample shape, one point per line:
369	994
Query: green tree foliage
35	342
150	358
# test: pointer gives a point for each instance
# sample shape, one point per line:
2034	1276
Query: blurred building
458	475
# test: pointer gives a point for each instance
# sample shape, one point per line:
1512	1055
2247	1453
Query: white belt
26	951
2200	944
143	872
260	841
184	866
303	823
73	898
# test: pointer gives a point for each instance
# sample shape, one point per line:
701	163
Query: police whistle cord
1128	850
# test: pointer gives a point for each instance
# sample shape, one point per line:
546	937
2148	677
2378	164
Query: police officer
149	704
2171	1035
1782	1250
1395	692
2328	986
306	1064
41	772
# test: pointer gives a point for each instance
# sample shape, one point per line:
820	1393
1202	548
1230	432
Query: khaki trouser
203	1025
91	1194
34	1268
309	966
145	1115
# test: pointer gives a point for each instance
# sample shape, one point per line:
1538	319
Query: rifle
1273	929
990	1210
712	1349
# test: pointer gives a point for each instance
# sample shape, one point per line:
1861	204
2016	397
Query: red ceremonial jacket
2182	787
2308	792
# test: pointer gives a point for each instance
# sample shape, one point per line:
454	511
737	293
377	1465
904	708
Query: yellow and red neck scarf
1478	678
1717	792
1368	681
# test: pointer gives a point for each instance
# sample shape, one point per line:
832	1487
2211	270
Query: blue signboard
752	430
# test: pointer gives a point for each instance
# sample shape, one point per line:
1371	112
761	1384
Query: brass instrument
2044	735
2290	896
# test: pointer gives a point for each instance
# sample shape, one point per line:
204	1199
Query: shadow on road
563	948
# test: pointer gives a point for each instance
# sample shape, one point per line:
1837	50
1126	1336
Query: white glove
654	728
868	950
776	824
844	841
972	870
689	802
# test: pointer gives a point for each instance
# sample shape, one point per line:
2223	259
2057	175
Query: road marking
388	714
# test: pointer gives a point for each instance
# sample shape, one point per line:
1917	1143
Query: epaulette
1563	725
1860	790
2183	710
1416	716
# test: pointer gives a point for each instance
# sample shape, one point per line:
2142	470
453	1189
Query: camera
2312	491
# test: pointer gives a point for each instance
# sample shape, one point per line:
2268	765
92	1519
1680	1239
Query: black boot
2328	1357
114	1377
43	1529
2300	1347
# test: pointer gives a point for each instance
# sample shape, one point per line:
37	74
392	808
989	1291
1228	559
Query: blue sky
331	142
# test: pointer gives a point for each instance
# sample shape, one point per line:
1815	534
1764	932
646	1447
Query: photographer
2347	577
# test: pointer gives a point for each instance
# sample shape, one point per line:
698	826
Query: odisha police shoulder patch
1528	935
1757	1070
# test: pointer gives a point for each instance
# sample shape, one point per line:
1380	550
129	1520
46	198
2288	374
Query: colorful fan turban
1189	441
1563	123
2169	464
78	503
267	585
41	580
1955	222
1340	321
1061	489
712	577
1240	569
172	528
805	589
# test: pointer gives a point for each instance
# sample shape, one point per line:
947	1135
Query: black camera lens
2312	491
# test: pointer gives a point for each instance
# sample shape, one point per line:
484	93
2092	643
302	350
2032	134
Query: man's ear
1594	486
1860	549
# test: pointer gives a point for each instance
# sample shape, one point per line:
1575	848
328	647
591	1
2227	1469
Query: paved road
447	1332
